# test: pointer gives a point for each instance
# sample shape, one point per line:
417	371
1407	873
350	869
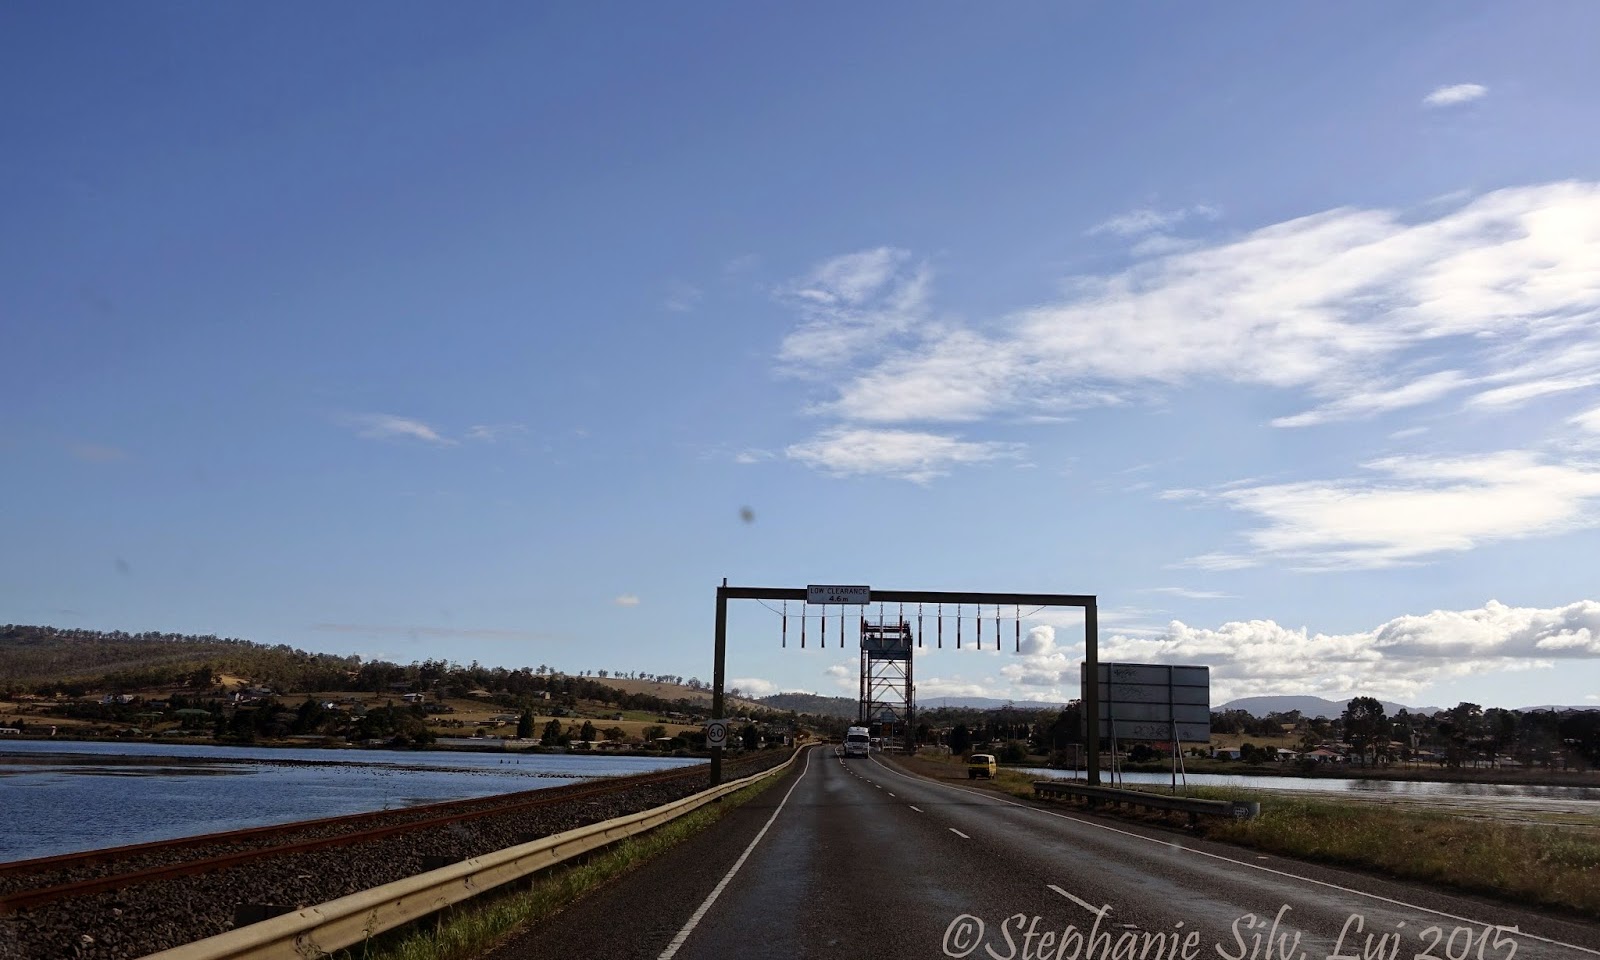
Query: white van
856	742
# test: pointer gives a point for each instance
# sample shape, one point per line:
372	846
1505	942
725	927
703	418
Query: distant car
981	765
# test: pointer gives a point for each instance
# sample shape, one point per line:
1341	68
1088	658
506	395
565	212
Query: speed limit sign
717	733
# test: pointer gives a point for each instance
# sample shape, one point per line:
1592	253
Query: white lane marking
959	834
1241	863
688	928
891	794
1082	903
918	809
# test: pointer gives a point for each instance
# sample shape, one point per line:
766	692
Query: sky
506	333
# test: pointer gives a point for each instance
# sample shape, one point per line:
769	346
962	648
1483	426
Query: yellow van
981	765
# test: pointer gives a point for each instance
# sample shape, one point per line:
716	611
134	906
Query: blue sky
416	332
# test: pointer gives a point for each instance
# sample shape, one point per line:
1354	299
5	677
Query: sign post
717	734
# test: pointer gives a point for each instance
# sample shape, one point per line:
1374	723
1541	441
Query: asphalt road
856	859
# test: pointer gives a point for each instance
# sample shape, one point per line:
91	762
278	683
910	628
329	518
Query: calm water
109	794
1585	800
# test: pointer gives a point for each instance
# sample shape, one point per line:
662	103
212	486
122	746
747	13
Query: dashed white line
1082	903
918	809
1241	863
959	834
688	928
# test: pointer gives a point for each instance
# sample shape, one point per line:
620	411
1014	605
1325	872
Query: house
413	697
1225	753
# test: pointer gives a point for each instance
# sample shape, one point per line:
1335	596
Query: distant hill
1310	707
1556	707
812	703
677	691
990	703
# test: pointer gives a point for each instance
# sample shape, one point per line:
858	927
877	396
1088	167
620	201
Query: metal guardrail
1232	809
320	930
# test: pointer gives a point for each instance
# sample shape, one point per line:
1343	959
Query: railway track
127	902
28	884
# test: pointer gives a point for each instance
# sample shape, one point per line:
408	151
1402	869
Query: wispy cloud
495	432
903	454
626	600
1415	507
1332	307
753	455
385	426
1133	223
1588	420
682	297
850	305
1454	93
1189	594
1380	399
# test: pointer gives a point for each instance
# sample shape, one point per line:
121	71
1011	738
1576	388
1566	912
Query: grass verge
1550	866
1526	864
474	930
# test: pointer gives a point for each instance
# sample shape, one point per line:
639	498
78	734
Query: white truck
857	741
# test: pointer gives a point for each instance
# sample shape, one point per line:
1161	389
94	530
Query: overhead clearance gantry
888	646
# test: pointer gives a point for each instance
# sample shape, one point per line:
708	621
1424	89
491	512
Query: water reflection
82	796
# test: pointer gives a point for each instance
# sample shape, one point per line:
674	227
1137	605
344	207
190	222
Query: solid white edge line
694	921
1252	866
959	834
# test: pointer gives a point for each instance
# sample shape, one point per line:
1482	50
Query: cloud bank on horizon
1396	660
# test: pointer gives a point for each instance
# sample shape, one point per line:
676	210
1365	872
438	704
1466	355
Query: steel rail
322	929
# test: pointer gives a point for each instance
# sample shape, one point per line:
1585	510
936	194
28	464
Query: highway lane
1156	879
856	859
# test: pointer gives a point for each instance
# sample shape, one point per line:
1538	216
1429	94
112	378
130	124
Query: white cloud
1398	659
1589	420
1334	306
753	455
626	600
1368	402
1421	506
903	454
384	426
1189	594
845	676
850	305
494	432
753	686
1519	393
682	297
1146	220
1454	93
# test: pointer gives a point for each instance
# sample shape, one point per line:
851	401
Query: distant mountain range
1310	707
1313	707
988	703
846	706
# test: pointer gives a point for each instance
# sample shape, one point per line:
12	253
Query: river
1503	800
66	796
